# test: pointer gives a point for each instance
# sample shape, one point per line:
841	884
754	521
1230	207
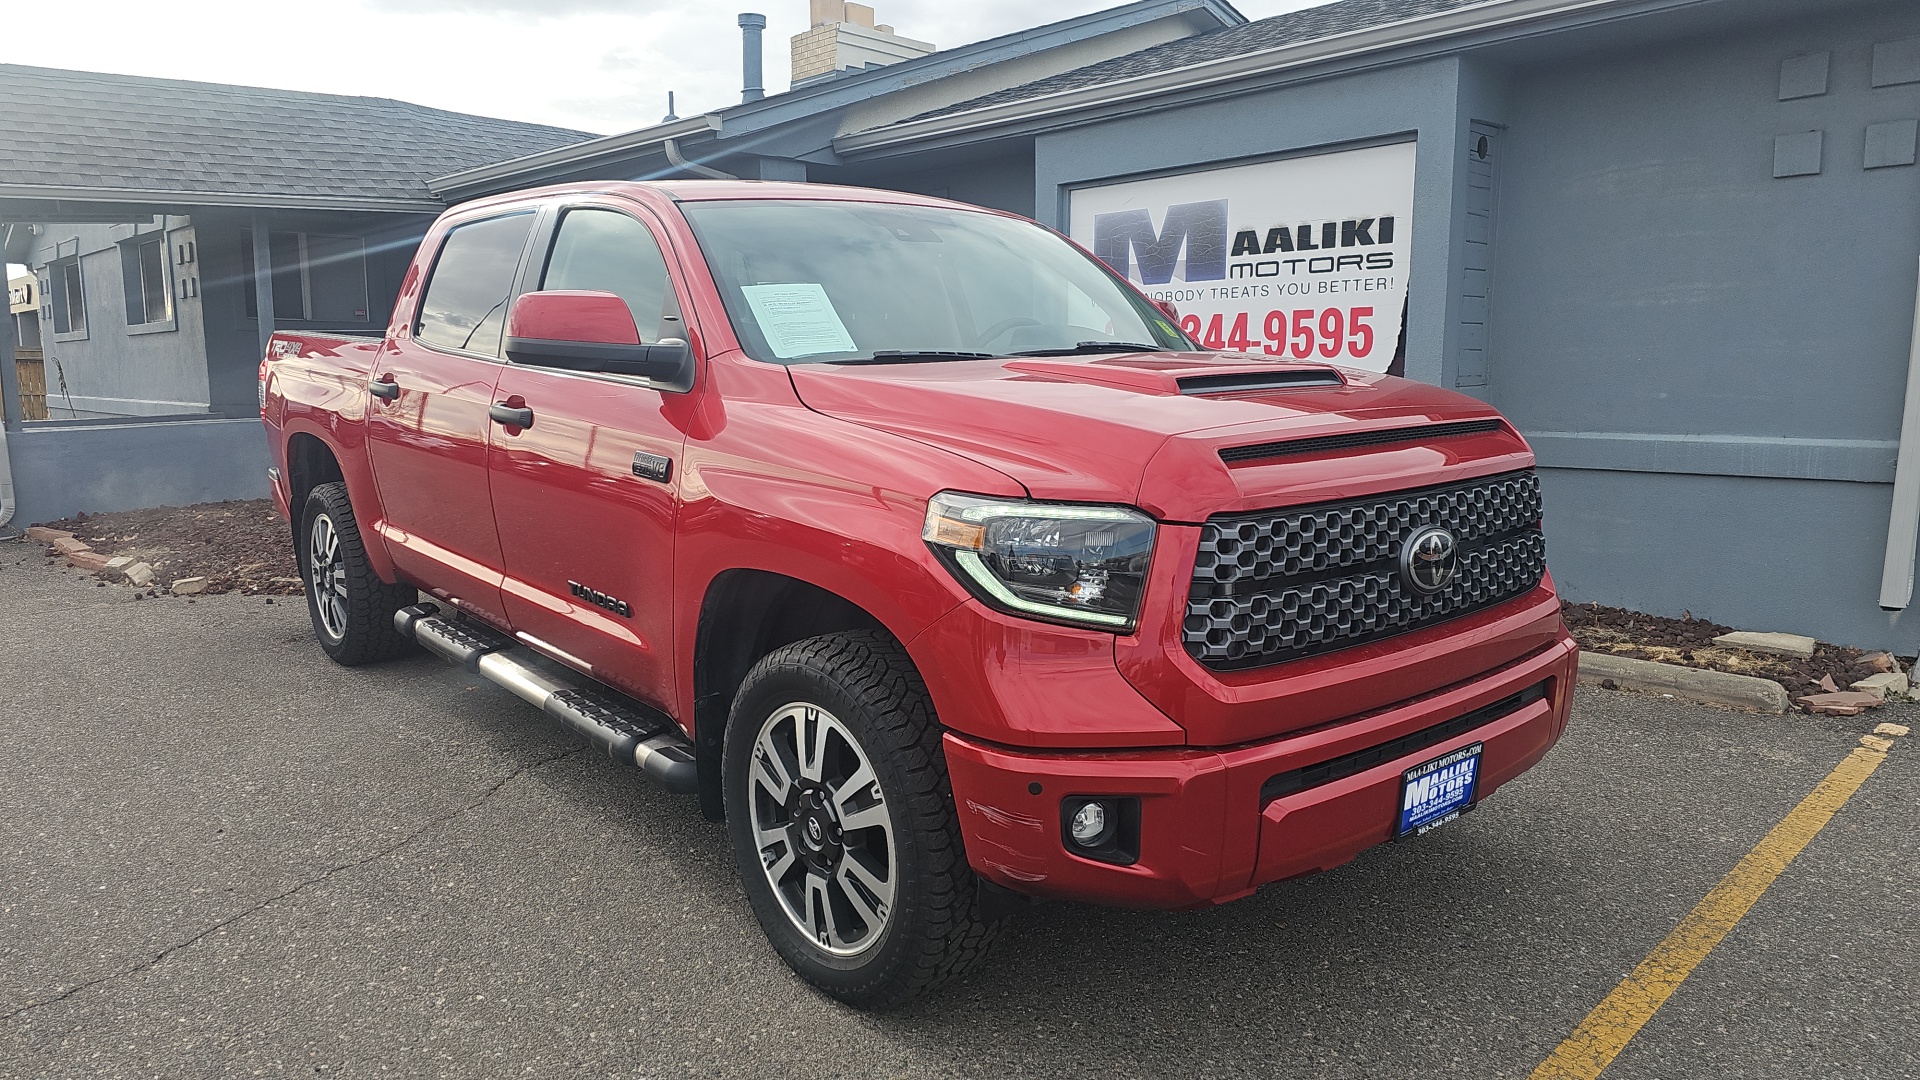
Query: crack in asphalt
324	875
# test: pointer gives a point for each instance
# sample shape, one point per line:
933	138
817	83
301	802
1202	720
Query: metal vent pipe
750	27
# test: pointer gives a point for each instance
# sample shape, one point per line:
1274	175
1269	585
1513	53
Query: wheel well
310	463
746	615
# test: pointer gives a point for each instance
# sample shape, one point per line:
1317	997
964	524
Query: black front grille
1280	584
1326	772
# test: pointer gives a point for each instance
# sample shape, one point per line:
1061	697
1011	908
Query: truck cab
927	553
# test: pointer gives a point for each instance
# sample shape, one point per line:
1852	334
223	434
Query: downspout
1903	528
694	167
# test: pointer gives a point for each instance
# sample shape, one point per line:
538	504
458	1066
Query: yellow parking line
1614	1022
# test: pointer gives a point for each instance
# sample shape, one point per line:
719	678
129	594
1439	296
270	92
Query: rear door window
465	306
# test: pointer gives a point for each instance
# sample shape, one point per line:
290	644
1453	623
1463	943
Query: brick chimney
844	38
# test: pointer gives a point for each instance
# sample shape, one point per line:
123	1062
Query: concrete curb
1713	687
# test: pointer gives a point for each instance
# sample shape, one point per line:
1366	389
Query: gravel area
238	546
1689	642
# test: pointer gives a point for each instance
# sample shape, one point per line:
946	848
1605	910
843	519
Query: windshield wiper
917	356
1095	347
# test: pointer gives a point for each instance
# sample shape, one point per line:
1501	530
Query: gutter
582	153
1491	15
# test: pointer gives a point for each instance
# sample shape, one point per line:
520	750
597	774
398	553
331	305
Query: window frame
60	298
133	279
303	267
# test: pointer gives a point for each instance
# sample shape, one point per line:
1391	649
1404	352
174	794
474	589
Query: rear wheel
843	824
352	608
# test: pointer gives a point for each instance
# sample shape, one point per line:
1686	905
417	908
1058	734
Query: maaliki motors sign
1303	258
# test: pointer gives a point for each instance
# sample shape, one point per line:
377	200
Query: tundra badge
600	599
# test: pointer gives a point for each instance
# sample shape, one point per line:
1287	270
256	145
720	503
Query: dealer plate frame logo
1438	791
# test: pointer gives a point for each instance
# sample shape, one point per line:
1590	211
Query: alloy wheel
327	573
823	829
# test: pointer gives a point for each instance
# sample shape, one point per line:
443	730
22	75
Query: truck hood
1181	435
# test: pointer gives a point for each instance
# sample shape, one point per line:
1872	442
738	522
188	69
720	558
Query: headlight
1085	565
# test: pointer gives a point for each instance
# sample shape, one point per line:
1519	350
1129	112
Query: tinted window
607	251
466	303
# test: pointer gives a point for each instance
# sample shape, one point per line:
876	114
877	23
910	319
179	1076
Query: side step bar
628	733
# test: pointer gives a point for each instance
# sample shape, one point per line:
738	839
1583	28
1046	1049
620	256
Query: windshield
812	281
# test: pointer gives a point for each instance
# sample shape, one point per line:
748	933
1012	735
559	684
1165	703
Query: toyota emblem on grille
1428	561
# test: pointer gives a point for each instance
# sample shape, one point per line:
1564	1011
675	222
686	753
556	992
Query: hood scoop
1321	444
1255	382
1187	374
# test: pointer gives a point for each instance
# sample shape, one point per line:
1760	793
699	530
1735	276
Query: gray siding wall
1710	360
115	369
60	470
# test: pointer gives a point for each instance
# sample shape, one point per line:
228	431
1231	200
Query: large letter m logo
1201	227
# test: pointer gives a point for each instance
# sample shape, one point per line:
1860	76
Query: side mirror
1166	308
592	331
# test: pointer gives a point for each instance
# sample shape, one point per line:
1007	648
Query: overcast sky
603	66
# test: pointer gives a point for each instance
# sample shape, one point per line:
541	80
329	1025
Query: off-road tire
366	633
865	680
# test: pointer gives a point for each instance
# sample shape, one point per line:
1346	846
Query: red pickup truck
930	555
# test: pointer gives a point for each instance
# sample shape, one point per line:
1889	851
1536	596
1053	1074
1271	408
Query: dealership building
1677	242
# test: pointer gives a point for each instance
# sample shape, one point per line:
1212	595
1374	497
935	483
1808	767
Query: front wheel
352	608
843	824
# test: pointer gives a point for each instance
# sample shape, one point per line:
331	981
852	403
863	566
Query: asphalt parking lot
220	855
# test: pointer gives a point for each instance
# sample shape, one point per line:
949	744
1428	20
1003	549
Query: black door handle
508	416
384	388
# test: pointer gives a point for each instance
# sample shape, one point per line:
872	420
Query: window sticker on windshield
798	319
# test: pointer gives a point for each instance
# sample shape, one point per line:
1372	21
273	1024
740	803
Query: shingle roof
1293	28
80	130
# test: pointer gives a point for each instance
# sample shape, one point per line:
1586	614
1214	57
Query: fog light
1090	825
1104	828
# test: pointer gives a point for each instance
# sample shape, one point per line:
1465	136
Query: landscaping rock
116	567
1881	661
1694	684
1793	645
190	586
1844	703
91	561
67	545
139	575
1884	685
40	534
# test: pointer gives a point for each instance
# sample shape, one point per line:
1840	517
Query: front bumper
1207	832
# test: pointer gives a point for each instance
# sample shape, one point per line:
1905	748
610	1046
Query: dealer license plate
1439	791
